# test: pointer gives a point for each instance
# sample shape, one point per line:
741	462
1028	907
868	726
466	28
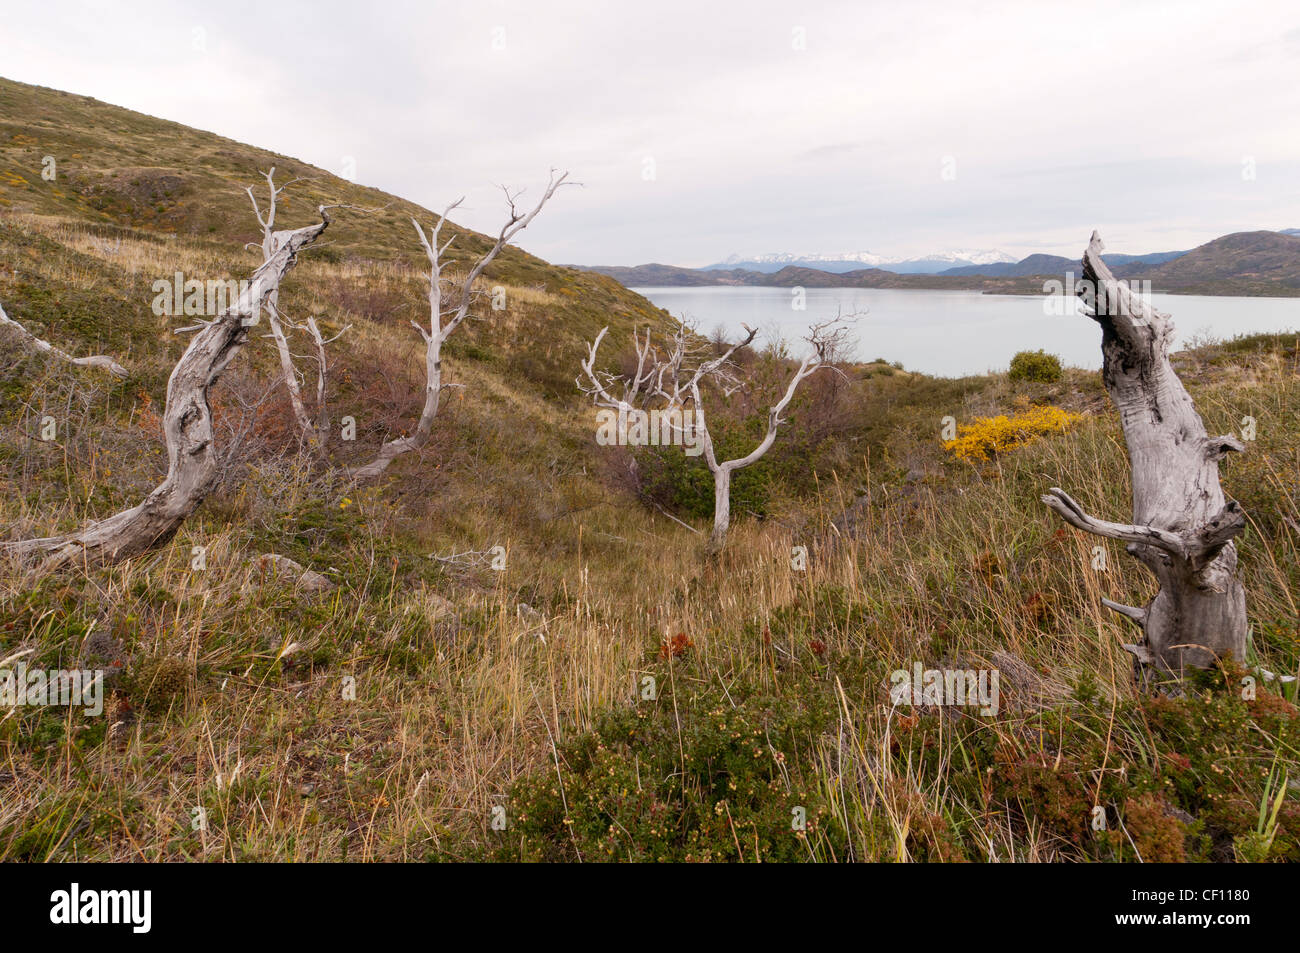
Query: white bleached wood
322	369
272	301
666	377
1183	527
192	461
438	332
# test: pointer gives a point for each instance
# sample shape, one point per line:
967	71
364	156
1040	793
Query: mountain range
1051	264
1265	263
855	261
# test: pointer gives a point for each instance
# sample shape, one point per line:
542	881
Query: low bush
1037	367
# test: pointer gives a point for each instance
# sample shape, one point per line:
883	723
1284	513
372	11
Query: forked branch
675	378
443	321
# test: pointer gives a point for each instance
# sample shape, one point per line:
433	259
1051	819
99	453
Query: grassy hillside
427	698
1258	263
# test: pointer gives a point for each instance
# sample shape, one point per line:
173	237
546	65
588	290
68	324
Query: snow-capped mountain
989	256
863	259
852	261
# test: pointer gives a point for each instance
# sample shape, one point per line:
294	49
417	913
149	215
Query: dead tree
443	321
322	369
192	462
36	344
271	305
669	380
1182	527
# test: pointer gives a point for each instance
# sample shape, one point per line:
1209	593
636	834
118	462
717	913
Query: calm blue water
954	333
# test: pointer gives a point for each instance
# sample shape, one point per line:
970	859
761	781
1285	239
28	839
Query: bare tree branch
322	369
32	341
668	377
287	369
438	331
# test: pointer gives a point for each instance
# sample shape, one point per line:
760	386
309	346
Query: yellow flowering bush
986	437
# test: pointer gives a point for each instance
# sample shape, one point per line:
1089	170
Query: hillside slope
1261	262
119	172
135	199
120	167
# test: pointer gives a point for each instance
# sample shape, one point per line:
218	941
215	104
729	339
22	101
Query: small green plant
1254	846
1038	367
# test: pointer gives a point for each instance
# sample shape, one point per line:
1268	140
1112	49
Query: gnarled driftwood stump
1182	527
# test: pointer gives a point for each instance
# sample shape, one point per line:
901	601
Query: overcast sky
703	129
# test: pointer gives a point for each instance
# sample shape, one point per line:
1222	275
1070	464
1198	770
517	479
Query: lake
954	333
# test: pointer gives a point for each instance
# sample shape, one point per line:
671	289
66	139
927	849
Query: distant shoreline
1258	264
1198	292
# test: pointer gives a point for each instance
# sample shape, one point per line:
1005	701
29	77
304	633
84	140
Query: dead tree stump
1182	527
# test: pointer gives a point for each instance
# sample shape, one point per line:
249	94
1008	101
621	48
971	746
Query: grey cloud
757	144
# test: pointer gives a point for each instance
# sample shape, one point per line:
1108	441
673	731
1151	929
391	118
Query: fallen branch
32	341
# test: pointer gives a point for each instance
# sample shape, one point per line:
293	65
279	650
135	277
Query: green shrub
714	774
685	484
1036	366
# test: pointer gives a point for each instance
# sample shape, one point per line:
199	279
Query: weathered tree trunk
192	465
721	508
393	449
1182	527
